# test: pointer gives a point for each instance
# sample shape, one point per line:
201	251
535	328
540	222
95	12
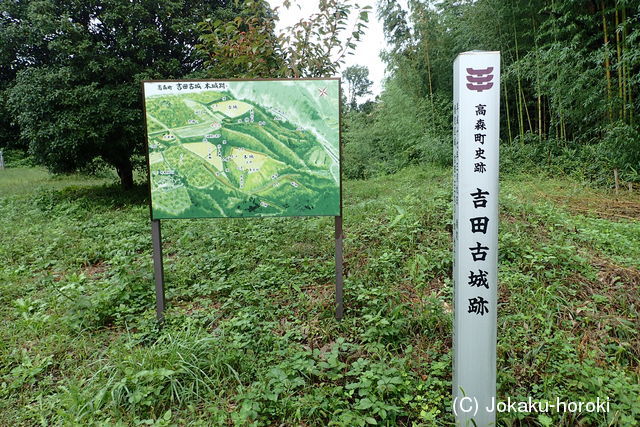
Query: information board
243	148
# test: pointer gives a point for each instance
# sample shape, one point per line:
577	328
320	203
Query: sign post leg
339	281
158	268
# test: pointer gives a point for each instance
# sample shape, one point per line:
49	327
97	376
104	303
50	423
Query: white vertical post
1	161
476	99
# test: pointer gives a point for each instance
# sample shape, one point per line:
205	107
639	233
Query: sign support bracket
339	269
158	269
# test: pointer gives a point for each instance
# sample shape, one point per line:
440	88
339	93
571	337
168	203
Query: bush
401	130
17	158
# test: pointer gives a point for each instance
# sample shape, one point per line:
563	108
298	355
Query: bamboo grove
570	81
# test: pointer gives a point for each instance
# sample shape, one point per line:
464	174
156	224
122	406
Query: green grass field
250	337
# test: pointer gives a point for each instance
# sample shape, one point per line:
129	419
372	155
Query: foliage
17	158
357	78
68	123
249	336
568	83
247	46
621	147
402	129
77	68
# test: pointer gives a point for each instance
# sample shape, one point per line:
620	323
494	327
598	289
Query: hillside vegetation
250	336
569	86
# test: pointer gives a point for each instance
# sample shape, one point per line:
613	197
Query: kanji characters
478	280
479	252
478	306
479	224
480	167
479	199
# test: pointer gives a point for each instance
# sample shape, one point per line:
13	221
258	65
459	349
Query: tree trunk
125	173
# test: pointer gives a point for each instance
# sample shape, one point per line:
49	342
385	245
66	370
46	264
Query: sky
368	49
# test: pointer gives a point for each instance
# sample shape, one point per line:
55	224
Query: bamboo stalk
506	106
504	89
544	117
539	115
520	116
550	110
629	87
623	63
519	88
426	38
526	109
560	126
607	65
538	89
619	67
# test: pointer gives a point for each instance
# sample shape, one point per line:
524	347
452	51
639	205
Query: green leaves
250	335
77	66
310	48
357	79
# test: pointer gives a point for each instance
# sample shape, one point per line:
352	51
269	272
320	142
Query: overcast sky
368	49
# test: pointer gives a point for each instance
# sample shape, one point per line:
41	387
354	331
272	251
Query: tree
18	50
357	77
247	45
76	92
569	75
244	46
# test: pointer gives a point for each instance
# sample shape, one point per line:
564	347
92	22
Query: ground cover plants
250	337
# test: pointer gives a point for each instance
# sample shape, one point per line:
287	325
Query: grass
16	181
250	337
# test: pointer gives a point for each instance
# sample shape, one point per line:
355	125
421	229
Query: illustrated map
243	148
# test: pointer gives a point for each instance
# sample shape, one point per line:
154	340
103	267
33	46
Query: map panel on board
243	148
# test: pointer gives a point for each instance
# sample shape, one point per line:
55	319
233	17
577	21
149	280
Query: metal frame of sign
156	233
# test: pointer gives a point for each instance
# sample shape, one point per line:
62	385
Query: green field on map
243	148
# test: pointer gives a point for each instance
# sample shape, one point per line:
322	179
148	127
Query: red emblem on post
479	80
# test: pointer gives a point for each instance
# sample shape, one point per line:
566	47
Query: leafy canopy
357	77
78	66
248	46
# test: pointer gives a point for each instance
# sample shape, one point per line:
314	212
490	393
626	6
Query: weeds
250	337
